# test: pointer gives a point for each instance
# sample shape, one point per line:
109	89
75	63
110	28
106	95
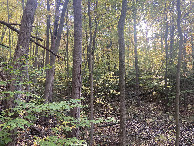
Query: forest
96	72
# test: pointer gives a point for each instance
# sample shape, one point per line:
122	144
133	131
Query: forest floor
147	125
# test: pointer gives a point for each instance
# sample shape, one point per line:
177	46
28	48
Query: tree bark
77	61
21	53
121	41
178	74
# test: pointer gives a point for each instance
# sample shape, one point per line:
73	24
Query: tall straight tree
47	46
91	48
56	38
77	61
135	51
178	74
90	64
121	41
167	56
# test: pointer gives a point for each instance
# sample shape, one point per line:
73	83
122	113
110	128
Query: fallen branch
16	30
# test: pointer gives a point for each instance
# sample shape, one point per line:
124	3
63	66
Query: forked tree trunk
77	61
56	38
178	74
121	23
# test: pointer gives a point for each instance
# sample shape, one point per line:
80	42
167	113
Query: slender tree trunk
172	29
77	61
166	69
121	23
9	29
91	62
47	52
136	56
178	74
67	45
192	45
35	64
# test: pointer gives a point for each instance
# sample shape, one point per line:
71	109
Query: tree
47	44
22	47
56	38
90	64
77	61
178	74
21	53
167	56
121	41
135	51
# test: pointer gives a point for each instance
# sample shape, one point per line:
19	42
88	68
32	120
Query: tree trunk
192	45
172	29
22	47
21	51
178	74
47	46
67	45
9	29
121	41
90	64
166	67
77	61
56	38
136	57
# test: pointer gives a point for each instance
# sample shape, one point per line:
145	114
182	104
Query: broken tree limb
16	30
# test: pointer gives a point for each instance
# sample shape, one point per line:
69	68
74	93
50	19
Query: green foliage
28	113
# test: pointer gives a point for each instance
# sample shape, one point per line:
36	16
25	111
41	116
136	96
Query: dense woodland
96	72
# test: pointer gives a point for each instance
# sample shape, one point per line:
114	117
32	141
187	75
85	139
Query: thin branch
44	48
17	24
